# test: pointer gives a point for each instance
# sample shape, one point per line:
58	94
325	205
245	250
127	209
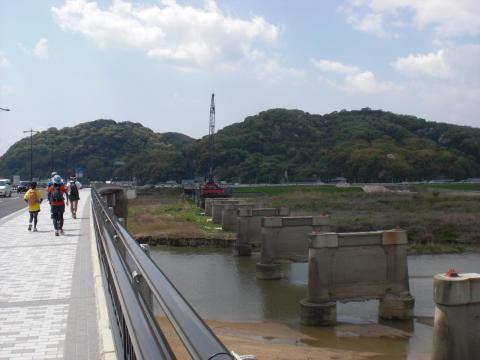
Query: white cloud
4	62
40	49
432	64
369	23
457	64
353	79
449	18
6	90
273	70
187	37
334	66
23	48
366	82
445	83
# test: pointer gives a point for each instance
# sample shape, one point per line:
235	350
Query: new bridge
92	293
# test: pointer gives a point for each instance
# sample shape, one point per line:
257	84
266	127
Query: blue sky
157	62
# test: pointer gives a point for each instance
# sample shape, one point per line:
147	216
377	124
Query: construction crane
211	139
211	189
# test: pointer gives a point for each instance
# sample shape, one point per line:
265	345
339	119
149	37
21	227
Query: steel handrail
146	340
197	337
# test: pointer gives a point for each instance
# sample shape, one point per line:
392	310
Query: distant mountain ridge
274	146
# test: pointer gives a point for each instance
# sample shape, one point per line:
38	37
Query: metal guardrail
134	280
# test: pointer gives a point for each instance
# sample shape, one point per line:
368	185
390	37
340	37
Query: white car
5	189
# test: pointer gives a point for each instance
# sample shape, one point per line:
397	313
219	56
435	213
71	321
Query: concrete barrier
286	239
456	331
249	227
229	214
219	205
357	267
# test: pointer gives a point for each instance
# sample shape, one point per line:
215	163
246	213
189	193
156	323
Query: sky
64	62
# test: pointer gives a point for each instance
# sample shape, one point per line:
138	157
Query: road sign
79	171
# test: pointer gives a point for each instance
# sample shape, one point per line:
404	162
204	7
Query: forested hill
104	148
364	145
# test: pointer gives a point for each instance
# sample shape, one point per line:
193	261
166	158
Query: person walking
56	198
33	198
73	187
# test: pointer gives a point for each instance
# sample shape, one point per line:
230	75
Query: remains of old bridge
356	267
230	214
286	239
249	227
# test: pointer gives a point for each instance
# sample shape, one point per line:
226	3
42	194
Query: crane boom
211	140
211	189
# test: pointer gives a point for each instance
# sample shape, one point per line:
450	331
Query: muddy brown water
223	287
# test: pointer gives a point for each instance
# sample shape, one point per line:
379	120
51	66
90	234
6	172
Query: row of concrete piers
351	267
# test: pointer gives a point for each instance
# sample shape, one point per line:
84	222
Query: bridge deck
47	298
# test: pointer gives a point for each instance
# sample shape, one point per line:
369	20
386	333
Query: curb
106	345
9	217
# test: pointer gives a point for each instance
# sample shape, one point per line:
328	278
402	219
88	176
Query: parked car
5	189
23	186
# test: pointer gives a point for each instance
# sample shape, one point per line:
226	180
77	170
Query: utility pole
52	147
31	150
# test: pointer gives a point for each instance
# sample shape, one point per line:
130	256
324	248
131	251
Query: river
223	287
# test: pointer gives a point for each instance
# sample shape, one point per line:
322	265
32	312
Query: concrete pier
219	205
286	239
230	214
357	267
209	203
249	227
456	332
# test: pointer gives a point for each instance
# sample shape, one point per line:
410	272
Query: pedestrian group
58	193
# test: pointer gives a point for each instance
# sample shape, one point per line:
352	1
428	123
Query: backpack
73	190
32	198
57	194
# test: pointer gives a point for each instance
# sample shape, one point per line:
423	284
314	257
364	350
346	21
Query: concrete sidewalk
47	298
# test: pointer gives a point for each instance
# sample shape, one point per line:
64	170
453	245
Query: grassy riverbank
454	186
169	215
279	190
436	223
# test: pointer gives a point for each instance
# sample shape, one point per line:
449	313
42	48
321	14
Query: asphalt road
11	204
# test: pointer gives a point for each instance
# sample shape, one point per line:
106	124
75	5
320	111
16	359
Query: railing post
143	287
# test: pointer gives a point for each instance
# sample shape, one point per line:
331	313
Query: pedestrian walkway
47	298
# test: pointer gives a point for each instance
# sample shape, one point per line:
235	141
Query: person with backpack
50	183
73	194
56	198
33	198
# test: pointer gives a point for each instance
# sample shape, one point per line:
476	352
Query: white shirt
69	185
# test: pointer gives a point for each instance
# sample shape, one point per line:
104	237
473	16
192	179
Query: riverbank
272	341
435	223
166	218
